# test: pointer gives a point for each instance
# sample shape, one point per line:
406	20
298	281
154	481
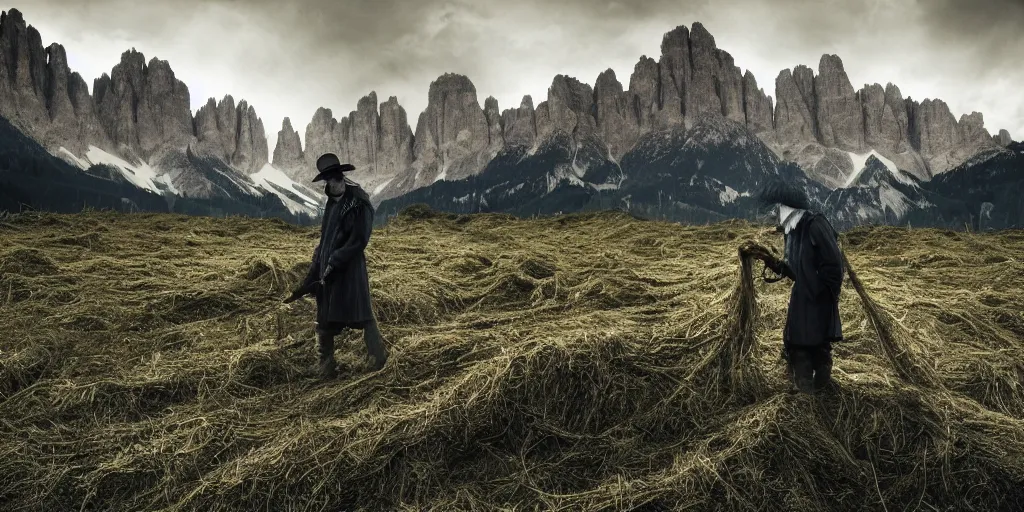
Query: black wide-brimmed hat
778	191
328	165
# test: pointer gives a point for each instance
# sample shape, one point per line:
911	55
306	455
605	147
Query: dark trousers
810	368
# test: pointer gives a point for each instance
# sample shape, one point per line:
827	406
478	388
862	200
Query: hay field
586	362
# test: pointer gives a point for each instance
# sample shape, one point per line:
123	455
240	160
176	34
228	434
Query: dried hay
583	362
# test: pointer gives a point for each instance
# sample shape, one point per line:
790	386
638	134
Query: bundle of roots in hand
729	365
895	342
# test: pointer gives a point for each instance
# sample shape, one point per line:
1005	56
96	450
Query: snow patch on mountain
502	184
141	175
272	179
381	186
563	173
860	162
728	195
244	185
894	200
82	164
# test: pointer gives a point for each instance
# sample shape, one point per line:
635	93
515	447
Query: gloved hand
327	272
773	264
300	292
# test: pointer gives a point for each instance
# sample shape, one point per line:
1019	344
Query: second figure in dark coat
814	263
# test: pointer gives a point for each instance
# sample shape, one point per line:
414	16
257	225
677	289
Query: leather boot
328	367
375	345
823	372
803	369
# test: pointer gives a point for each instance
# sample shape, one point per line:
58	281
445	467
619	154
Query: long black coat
814	263
344	232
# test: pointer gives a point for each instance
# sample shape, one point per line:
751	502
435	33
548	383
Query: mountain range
689	138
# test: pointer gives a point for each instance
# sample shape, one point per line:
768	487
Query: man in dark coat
815	265
338	274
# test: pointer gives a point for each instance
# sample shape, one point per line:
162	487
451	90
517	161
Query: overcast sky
289	58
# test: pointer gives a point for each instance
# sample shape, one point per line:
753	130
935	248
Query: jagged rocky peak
357	135
674	77
367	103
1003	138
288	152
972	129
495	128
232	133
794	119
804	78
839	114
144	108
451	83
697	77
22	74
643	91
607	83
453	126
569	109
616	119
933	129
757	108
40	94
207	128
885	118
453	137
942	141
57	100
920	138
520	125
227	121
396	139
320	136
251	152
726	79
375	138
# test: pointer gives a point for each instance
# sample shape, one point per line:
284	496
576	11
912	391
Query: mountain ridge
140	113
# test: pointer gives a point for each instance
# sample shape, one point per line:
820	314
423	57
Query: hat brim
780	192
332	170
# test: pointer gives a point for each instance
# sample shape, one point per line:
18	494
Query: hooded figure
815	265
338	274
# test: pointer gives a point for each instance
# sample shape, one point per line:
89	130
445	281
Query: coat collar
793	220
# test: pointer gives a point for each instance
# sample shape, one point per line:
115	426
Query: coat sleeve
785	270
829	259
355	242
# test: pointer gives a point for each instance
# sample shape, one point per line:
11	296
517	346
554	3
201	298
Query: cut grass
583	362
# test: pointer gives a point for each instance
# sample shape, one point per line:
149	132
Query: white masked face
784	212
